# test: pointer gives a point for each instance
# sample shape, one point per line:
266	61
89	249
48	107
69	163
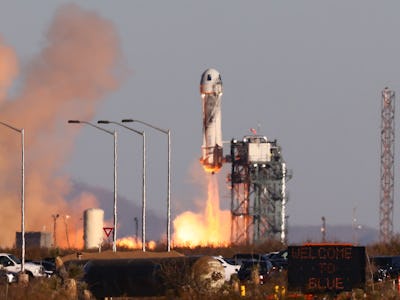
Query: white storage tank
93	222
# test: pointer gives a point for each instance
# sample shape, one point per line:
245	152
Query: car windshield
15	259
263	267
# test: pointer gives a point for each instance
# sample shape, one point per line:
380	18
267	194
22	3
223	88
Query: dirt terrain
109	254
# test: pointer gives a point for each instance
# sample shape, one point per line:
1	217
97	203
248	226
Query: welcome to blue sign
318	268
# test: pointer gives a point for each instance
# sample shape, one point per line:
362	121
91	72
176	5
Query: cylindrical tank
93	222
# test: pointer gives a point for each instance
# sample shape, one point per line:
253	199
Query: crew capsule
211	82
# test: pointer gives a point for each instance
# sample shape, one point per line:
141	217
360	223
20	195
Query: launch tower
258	175
258	190
387	166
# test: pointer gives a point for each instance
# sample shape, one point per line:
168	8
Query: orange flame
134	243
211	169
210	228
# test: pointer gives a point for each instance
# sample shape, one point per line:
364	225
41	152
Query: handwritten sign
318	268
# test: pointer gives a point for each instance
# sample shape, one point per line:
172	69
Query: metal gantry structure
387	166
258	191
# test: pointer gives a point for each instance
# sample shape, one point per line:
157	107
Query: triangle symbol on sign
108	230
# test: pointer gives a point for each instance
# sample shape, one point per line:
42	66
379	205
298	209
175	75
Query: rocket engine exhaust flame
209	228
212	227
71	74
211	92
134	243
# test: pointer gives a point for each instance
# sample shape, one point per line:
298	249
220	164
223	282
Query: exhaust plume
208	228
75	69
8	69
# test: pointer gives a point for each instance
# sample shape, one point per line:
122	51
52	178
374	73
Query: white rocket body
211	92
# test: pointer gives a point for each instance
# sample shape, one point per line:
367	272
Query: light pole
168	133
114	134
22	192
66	217
142	133
355	227
55	217
136	228
323	229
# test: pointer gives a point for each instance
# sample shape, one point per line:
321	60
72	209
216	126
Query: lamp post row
165	131
114	133
168	133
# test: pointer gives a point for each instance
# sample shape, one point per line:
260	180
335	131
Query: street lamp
168	133
355	227
114	134
142	133
323	229
66	217
22	193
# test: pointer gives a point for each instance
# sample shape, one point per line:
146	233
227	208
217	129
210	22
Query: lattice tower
387	166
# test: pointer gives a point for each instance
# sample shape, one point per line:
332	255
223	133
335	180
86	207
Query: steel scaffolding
258	191
387	166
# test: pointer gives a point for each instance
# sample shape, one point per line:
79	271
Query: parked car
240	257
262	267
229	267
278	259
385	267
12	264
48	266
7	277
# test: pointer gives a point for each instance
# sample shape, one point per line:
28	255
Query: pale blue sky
310	72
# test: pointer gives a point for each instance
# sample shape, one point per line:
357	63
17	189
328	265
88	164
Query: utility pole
353	226
55	217
136	229
323	230
66	217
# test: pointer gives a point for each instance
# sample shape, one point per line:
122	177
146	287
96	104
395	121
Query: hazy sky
310	73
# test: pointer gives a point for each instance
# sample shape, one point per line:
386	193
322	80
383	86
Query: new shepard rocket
211	92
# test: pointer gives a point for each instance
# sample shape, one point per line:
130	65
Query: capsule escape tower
258	174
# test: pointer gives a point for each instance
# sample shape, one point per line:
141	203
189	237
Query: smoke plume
75	69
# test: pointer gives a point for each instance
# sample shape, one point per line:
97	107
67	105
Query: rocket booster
211	92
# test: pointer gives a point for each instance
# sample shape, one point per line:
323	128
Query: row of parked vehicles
10	267
244	264
385	267
241	265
